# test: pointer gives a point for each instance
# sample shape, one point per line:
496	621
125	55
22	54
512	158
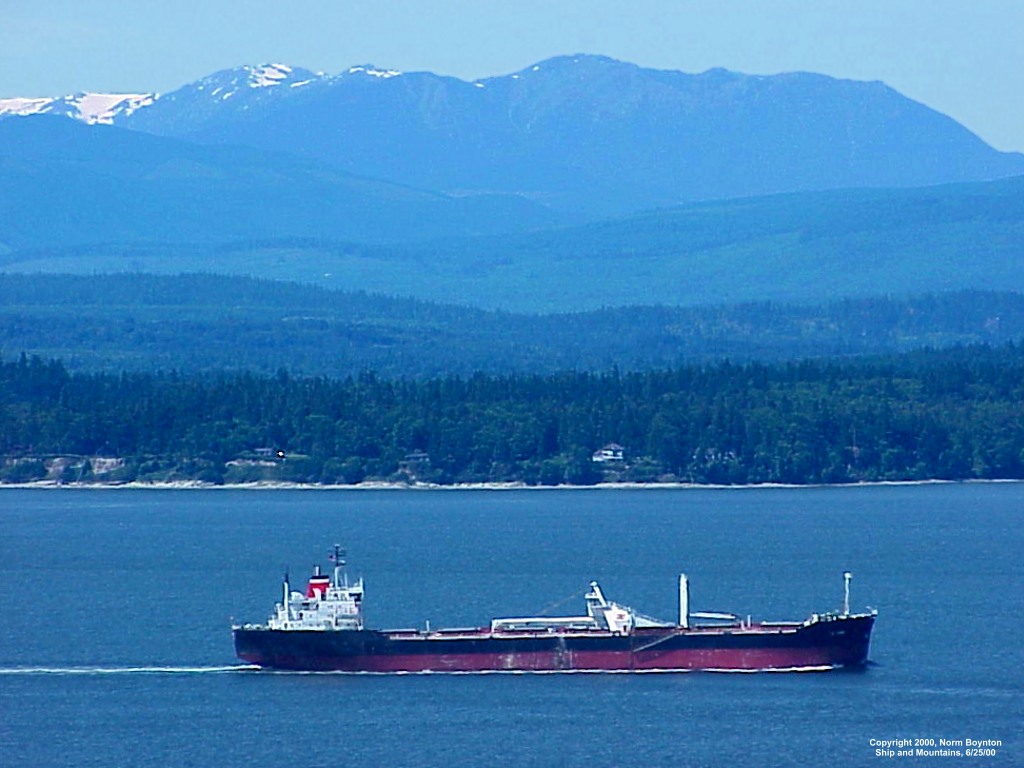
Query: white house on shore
611	452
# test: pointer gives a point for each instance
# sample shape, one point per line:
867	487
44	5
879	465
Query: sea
116	608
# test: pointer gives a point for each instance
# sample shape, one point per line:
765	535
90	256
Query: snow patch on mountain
267	75
91	108
22	106
229	82
241	83
369	69
104	107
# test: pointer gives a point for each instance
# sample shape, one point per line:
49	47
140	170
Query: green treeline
954	414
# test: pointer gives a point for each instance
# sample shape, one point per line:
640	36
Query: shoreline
511	486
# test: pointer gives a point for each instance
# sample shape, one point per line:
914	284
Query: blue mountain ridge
593	135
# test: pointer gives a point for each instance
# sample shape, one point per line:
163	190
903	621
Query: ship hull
839	642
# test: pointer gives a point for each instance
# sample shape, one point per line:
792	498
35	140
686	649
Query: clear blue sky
964	58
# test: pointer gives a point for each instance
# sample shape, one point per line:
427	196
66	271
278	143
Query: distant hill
586	133
799	248
63	182
208	323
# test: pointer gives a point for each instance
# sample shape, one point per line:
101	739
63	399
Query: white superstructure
328	604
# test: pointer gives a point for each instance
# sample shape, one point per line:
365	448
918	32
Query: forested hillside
208	323
955	414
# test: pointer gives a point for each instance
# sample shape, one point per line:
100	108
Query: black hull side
839	642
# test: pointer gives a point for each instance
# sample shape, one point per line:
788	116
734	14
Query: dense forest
209	323
953	414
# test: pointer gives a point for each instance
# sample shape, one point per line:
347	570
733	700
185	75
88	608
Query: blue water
115	612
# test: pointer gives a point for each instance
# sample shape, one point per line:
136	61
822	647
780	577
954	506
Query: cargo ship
322	630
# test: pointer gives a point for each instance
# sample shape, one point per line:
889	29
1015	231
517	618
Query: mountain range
584	134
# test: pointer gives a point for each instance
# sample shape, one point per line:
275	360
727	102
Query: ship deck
486	633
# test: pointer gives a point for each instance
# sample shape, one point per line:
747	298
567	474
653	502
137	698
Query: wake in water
125	670
254	668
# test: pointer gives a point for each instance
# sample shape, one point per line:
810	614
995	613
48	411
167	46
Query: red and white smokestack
318	584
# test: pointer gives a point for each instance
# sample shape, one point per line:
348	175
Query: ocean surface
116	606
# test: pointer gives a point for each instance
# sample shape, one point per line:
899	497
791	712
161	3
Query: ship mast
286	609
846	592
338	558
684	601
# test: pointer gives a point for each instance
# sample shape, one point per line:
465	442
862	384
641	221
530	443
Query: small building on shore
611	453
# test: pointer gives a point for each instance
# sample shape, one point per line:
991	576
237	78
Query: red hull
608	661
